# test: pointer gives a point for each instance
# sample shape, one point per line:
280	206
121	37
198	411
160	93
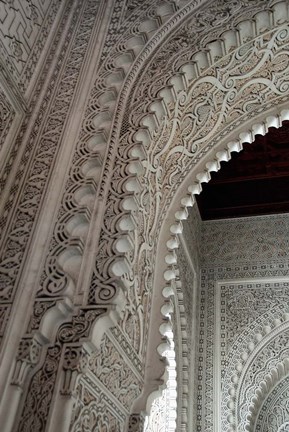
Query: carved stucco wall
26	30
87	180
188	258
242	356
36	150
25	26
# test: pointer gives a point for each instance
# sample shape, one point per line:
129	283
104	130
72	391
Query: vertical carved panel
115	372
42	148
243	319
7	114
4	317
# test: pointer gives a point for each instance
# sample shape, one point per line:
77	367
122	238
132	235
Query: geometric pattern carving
163	138
243	321
258	240
24	30
45	141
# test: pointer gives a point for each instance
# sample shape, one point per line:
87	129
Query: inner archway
244	269
162	143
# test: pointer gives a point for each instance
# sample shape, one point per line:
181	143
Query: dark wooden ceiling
254	182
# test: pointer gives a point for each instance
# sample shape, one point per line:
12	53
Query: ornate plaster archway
164	152
206	104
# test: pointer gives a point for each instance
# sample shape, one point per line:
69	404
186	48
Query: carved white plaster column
10	407
27	357
74	365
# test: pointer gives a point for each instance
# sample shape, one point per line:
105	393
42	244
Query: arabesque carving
140	138
274	414
243	325
15	240
94	411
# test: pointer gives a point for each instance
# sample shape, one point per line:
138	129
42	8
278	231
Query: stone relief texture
274	414
220	99
188	260
68	347
95	411
187	279
115	373
168	175
243	313
7	114
25	26
246	240
41	151
137	310
193	231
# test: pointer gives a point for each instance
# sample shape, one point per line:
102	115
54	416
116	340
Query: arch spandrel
161	178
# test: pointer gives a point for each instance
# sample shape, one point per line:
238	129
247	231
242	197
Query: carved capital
74	365
29	351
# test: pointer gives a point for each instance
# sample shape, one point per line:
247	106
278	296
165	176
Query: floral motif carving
16	239
213	98
115	373
92	419
139	180
94	411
